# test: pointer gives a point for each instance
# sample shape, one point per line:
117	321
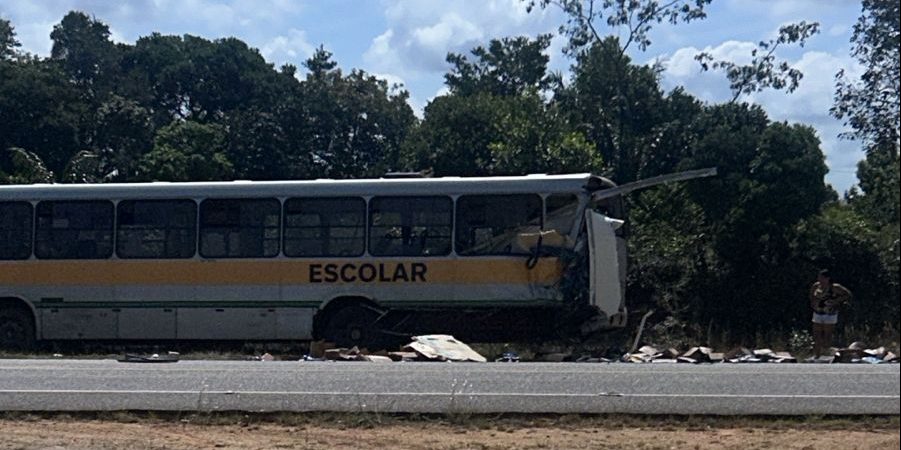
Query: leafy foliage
25	167
510	66
764	71
8	41
187	151
495	120
586	17
871	106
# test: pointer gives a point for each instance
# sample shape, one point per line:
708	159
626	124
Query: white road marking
439	394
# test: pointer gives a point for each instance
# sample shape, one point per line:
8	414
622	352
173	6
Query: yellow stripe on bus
279	271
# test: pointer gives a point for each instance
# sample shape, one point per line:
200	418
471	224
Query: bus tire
354	325
16	329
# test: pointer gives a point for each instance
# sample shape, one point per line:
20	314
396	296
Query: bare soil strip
364	431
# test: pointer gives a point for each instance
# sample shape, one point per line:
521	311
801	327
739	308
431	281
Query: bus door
606	265
607	251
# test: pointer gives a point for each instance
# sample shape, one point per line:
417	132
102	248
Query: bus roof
551	184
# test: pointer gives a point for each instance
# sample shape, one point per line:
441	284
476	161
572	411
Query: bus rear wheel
16	330
356	326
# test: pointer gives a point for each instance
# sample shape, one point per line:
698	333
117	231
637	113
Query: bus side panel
226	323
147	323
73	312
79	323
141	315
294	323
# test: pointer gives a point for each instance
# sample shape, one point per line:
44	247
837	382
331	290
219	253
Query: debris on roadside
375	358
263	357
702	355
423	348
403	356
442	347
447	348
696	355
170	357
342	354
508	357
857	353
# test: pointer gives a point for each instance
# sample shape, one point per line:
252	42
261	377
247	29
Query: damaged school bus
357	262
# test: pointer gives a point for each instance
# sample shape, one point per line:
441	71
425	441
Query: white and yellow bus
351	261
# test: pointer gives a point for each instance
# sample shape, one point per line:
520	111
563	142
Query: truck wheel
16	330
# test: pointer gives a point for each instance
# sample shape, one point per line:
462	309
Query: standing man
826	298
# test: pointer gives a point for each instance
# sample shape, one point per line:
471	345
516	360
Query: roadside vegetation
724	260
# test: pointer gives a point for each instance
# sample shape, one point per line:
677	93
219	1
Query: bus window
560	213
156	229
325	226
490	224
74	229
239	228
15	230
410	226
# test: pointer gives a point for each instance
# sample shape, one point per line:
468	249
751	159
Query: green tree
617	105
509	66
19	166
39	111
187	151
193	78
8	41
354	125
485	134
123	133
870	106
455	136
496	121
83	48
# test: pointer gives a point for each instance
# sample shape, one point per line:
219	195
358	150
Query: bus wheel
354	326
16	329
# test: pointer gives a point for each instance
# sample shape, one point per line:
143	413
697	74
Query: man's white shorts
825	319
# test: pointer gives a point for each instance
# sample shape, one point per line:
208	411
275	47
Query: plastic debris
442	347
403	356
171	357
508	357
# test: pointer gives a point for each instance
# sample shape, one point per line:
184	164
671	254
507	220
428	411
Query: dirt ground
305	432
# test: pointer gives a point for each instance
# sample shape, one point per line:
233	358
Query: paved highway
783	389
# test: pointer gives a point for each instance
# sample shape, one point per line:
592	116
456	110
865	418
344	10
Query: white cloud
809	104
682	64
116	36
419	35
449	32
839	30
292	48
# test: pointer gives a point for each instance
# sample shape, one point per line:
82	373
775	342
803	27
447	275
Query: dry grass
473	421
144	430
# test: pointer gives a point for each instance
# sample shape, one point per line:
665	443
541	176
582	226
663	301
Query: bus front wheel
16	329
354	326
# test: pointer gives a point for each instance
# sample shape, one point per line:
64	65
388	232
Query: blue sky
407	41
